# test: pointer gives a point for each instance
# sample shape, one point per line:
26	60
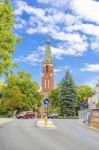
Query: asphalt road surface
68	135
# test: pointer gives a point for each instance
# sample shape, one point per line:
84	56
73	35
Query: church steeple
47	69
48	56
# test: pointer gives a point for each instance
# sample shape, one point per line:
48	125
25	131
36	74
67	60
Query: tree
67	95
54	100
12	99
8	40
21	93
83	91
97	105
1	85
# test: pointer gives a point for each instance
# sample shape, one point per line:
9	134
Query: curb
82	124
5	120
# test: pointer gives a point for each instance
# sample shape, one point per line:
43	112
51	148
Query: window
48	83
47	69
45	84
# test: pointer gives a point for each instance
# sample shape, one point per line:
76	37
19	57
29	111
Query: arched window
46	68
48	84
45	84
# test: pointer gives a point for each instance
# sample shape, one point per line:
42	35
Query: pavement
23	134
5	120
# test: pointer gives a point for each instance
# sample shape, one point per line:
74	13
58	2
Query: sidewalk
5	120
90	127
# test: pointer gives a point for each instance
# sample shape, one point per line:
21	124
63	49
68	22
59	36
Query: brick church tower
47	69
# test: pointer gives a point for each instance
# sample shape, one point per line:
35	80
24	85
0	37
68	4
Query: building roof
48	56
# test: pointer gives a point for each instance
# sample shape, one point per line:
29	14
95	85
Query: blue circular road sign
46	101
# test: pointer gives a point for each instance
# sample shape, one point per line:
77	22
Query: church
47	74
47	69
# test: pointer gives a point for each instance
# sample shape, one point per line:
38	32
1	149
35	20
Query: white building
92	101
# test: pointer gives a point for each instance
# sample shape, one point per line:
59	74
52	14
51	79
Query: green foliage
54	100
12	99
97	105
1	85
67	95
21	93
82	91
68	117
8	40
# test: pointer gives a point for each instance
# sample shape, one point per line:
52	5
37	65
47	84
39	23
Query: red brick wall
47	77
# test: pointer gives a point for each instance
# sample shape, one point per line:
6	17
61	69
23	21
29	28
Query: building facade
92	101
47	70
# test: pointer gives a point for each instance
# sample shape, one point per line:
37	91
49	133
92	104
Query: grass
69	117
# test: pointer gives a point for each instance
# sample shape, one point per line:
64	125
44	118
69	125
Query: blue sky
74	34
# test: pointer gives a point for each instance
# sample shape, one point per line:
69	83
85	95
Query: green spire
48	39
48	56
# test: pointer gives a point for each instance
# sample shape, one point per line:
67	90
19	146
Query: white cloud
87	9
32	59
64	27
63	49
92	82
90	68
57	70
20	23
60	69
95	45
63	36
90	29
57	3
22	7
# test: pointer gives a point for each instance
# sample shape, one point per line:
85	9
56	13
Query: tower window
48	83
45	84
47	69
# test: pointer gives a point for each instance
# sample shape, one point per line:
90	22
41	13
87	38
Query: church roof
48	56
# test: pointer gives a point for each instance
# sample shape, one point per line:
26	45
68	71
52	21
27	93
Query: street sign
46	101
84	104
0	95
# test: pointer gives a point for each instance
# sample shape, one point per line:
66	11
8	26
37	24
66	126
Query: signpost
84	103
84	106
46	102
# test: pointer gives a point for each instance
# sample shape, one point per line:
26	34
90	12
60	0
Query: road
68	135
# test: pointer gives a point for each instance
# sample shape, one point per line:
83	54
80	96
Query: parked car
53	116
26	115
